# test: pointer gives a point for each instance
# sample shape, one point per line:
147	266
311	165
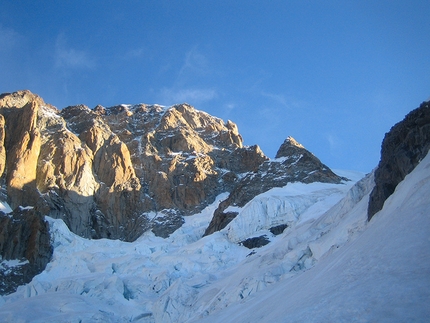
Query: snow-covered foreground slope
322	267
382	276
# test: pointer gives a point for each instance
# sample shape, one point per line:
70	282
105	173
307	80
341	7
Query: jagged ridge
293	163
117	172
120	171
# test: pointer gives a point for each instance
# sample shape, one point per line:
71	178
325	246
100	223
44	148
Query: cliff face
403	147
117	172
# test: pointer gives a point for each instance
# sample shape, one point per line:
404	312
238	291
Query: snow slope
382	276
328	265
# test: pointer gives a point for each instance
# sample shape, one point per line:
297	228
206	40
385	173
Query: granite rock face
117	172
22	147
293	163
403	147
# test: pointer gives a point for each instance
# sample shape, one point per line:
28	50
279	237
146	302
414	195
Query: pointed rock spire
289	147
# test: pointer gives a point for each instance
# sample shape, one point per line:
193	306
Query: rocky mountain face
107	172
117	172
403	147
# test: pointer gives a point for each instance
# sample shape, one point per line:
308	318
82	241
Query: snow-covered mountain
120	171
302	250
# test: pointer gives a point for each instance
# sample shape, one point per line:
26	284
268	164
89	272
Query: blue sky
335	75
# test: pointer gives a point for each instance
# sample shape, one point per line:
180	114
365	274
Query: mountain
117	172
280	240
120	171
293	163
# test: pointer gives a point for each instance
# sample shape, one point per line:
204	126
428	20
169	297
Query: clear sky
335	75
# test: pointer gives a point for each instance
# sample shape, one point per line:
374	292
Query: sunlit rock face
22	142
403	147
115	172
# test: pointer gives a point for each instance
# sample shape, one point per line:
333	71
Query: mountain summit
289	147
293	163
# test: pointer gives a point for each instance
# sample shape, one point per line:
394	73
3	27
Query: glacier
329	264
381	274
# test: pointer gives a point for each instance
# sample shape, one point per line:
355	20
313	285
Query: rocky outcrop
102	175
293	163
117	172
24	236
255	242
403	147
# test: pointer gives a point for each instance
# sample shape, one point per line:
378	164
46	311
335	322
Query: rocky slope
293	163
403	147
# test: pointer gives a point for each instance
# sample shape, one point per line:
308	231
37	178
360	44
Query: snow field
380	276
186	277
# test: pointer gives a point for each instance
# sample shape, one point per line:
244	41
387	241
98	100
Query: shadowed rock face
293	163
117	172
403	147
24	236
